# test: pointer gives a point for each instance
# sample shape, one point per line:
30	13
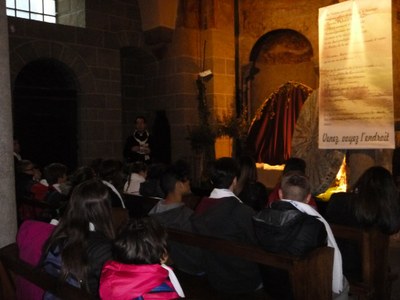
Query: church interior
77	83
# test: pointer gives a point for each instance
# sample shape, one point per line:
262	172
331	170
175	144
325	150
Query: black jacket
284	229
231	220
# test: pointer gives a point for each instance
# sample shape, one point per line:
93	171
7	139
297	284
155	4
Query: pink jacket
31	237
121	281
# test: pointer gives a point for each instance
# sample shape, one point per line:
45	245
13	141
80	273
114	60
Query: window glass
37	17
40	10
49	19
11	12
22	14
23	5
50	7
37	6
10	4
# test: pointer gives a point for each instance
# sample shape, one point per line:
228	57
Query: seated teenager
291	226
248	188
138	270
171	212
55	175
151	187
293	164
81	242
110	172
137	174
373	202
223	215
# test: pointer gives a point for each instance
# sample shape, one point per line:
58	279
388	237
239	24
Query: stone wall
93	55
122	74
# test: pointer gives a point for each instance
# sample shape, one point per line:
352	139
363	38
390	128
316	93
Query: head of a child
176	179
142	241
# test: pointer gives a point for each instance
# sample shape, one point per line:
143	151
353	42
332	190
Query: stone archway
83	79
45	114
277	57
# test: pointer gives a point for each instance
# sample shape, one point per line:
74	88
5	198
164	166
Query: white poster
356	82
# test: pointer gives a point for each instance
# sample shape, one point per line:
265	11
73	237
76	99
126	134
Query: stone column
8	213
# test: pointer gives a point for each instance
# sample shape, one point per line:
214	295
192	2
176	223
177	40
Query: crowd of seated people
84	239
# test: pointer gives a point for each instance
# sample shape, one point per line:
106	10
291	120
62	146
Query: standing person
138	270
291	226
81	242
223	215
373	202
138	145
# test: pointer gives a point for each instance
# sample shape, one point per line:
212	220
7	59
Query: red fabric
121	281
270	134
205	204
31	237
39	191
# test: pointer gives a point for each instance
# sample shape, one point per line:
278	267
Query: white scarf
142	143
174	281
337	274
223	193
115	191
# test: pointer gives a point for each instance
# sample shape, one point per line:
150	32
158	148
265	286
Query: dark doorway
45	113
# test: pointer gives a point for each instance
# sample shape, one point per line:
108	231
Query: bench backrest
374	249
310	275
11	265
139	206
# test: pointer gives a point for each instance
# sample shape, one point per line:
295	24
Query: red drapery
271	131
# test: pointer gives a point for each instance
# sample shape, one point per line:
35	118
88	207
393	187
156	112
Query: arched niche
45	112
277	57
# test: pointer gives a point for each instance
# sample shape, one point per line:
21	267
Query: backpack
162	288
51	264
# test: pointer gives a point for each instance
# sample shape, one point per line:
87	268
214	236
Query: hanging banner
356	82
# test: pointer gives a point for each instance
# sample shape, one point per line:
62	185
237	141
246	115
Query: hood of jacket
123	281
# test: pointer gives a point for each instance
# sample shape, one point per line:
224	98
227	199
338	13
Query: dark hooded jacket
177	216
227	218
284	229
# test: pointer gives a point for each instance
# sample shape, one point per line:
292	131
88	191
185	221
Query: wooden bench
11	266
139	206
374	248
310	275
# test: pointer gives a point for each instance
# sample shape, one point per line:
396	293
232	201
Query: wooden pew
139	206
310	275
11	265
374	248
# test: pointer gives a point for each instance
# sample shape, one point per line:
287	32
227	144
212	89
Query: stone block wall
93	55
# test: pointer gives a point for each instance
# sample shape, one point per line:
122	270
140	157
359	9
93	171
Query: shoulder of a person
98	242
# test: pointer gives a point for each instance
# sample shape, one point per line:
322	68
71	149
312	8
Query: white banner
356	82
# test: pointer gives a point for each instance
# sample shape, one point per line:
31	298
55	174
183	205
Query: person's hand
135	148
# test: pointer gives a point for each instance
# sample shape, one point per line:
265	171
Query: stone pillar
8	213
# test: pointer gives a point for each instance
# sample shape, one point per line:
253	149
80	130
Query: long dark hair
376	200
248	173
88	204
